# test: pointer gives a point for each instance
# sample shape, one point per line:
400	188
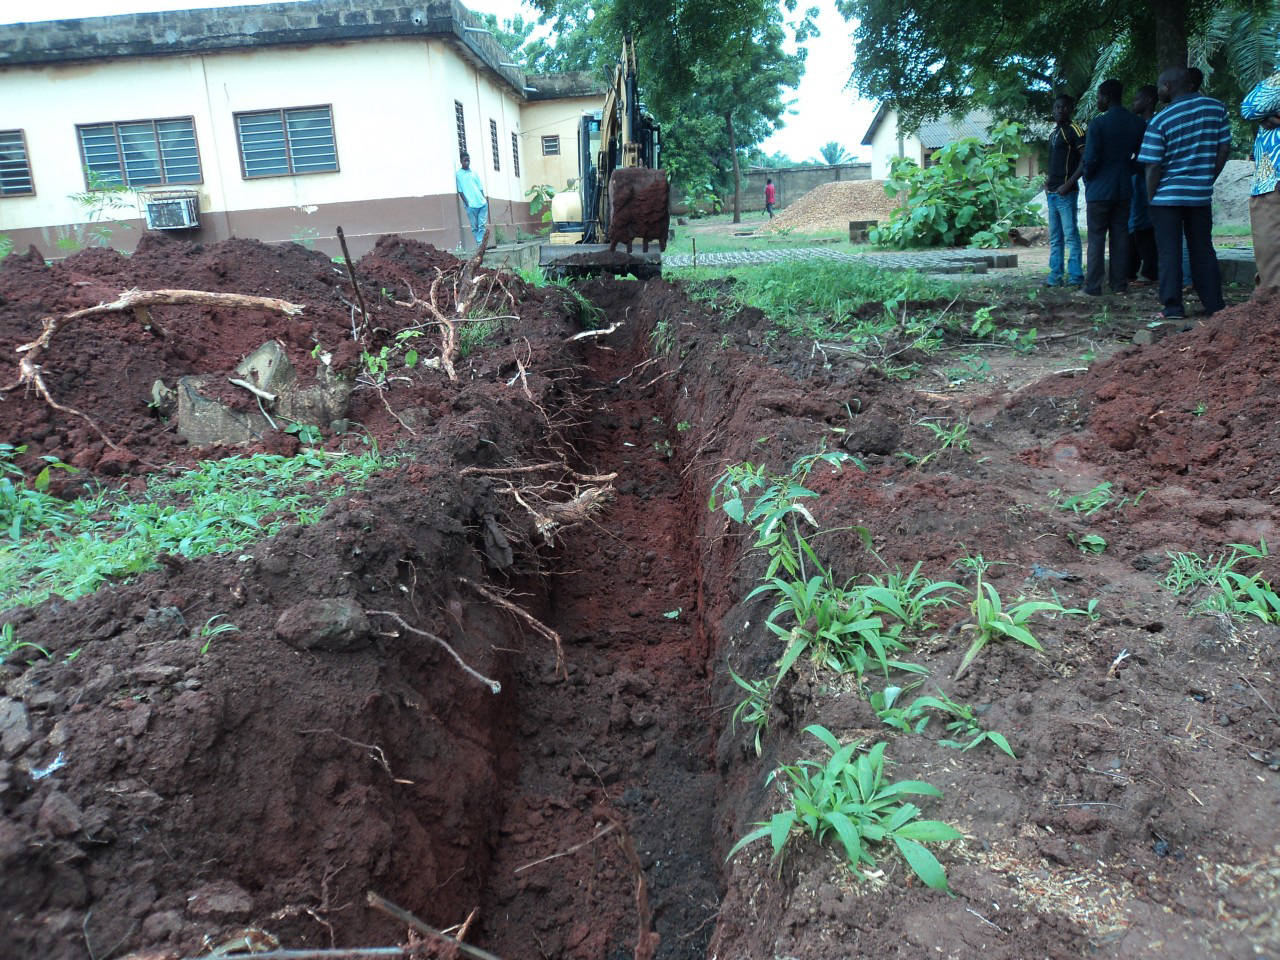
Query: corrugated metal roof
938	133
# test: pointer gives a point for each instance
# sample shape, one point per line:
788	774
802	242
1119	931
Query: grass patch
823	300
219	506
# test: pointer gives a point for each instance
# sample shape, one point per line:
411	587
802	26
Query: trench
610	773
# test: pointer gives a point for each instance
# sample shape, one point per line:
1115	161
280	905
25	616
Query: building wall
793	182
396	139
554	118
885	146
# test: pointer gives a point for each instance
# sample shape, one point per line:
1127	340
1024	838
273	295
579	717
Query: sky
824	110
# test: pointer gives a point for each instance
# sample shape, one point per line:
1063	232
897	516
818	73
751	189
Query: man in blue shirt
1185	148
1110	145
1066	146
471	190
1263	104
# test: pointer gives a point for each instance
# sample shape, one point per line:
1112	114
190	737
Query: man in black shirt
1066	147
1115	137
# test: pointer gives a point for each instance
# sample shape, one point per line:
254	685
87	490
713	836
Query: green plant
1188	570
682	426
969	194
305	236
910	596
909	718
851	800
10	644
950	439
539	196
753	709
100	201
308	434
6	245
662	338
1200	409
985	326
991	621
213	629
26	508
473	335
1087	503
963	727
1090	543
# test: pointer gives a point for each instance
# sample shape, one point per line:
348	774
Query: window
276	143
551	146
515	154
493	139
462	127
141	153
15	170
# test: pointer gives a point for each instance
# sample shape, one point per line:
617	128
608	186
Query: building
887	140
278	122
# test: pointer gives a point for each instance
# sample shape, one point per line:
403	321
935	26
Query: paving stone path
941	261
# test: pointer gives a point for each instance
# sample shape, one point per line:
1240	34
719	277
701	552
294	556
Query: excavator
622	196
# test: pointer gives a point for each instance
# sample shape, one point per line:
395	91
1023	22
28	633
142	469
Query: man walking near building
1185	148
1110	145
1066	147
1143	259
1263	104
770	197
471	190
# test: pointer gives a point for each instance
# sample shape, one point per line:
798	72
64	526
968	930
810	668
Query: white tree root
534	623
493	685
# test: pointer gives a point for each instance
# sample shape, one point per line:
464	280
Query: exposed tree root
537	625
493	685
140	302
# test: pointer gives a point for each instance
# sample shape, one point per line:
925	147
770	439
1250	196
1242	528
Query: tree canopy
934	57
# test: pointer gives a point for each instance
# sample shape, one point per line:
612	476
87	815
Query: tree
934	57
833	153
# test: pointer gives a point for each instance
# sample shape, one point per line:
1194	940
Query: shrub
971	194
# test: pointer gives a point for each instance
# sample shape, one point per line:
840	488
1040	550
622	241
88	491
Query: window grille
493	139
551	146
462	127
15	168
141	153
515	154
276	143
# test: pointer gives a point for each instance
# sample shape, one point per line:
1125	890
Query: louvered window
493	138
141	153
276	143
515	155
15	168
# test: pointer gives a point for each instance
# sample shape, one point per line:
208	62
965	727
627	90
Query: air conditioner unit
173	213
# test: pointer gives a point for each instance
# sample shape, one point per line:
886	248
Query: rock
163	400
221	898
204	422
164	925
15	727
59	815
1231	192
330	624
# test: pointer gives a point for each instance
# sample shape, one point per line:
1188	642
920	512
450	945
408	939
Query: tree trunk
1171	33
737	173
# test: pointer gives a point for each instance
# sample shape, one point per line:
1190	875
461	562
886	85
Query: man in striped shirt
1185	148
1263	105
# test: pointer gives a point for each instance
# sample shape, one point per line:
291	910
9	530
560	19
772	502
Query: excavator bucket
638	208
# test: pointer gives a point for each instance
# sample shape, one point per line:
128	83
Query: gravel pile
832	205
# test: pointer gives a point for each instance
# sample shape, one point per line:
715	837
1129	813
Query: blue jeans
479	217
1062	226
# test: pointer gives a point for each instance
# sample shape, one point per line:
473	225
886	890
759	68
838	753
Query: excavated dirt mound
832	206
159	799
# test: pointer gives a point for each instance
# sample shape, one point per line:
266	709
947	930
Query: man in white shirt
471	190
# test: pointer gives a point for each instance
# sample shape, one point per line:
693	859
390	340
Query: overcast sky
825	110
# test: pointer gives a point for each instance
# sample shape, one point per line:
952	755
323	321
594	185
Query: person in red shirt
770	197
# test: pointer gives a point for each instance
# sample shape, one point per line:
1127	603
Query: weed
588	315
910	596
1090	543
1087	503
991	621
1235	594
472	336
10	644
962	726
662	338
851	800
682	426
24	509
972	369
953	438
213	629
753	709
1200	409
221	505
1188	570
308	434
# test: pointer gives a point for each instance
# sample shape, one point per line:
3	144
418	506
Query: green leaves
850	799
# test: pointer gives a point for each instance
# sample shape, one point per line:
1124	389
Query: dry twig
574	849
404	916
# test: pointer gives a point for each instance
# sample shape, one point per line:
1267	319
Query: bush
970	195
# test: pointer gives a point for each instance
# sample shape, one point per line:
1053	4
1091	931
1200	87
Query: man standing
1263	104
471	190
1142	236
1066	146
1110	145
1185	148
770	197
